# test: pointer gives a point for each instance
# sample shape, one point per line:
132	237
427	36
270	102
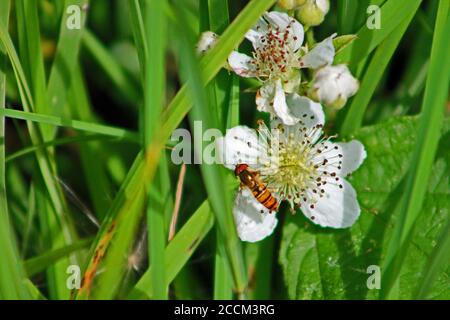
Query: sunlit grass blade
73	124
137	25
57	142
219	199
56	210
179	250
393	12
436	94
127	193
219	96
154	94
380	60
66	58
12	275
145	166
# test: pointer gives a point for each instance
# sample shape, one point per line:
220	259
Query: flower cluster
291	160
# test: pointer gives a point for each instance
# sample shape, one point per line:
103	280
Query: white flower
208	40
298	165
276	61
333	85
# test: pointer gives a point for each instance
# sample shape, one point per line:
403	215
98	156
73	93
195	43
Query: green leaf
432	118
322	263
341	42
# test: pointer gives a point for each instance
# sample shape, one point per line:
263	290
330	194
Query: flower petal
282	22
240	145
296	36
343	157
280	106
309	113
277	19
254	35
207	40
321	55
253	220
339	207
264	97
241	64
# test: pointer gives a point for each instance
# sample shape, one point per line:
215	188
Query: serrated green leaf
321	263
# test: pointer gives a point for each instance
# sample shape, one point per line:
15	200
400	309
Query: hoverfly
250	179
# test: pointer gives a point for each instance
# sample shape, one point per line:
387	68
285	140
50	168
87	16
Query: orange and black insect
250	179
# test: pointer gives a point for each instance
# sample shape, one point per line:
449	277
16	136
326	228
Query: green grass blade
154	93
72	124
223	283
57	204
11	274
38	264
393	12
179	250
66	58
372	77
144	168
56	142
433	107
137	25
219	92
346	15
219	199
95	171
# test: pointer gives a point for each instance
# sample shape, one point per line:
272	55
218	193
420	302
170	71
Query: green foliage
85	120
332	264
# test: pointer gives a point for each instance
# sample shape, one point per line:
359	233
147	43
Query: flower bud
333	85
291	4
207	40
312	12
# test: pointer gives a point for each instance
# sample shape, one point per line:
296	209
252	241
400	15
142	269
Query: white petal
323	5
280	106
338	208
253	220
278	19
351	154
282	21
207	40
296	36
309	113
264	97
241	64
349	85
321	55
240	145
254	35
